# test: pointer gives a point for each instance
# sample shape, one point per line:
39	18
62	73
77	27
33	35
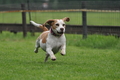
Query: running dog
52	40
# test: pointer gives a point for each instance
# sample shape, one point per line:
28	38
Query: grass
83	61
94	41
100	18
10	18
93	18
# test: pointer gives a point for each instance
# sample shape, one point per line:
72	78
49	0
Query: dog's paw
53	58
36	51
62	54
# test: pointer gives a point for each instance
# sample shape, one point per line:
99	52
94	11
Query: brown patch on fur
43	36
43	27
66	19
53	24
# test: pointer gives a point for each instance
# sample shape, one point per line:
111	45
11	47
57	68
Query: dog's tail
39	25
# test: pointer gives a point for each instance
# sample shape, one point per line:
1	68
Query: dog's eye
57	24
63	24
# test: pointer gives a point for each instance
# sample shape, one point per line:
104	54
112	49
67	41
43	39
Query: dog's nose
61	29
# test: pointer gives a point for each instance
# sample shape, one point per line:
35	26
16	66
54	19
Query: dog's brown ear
66	19
49	22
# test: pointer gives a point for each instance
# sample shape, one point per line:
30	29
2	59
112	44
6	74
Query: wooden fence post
84	20
29	13
24	21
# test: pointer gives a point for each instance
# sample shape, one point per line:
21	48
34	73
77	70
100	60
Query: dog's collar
53	33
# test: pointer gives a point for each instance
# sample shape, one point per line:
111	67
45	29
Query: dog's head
58	25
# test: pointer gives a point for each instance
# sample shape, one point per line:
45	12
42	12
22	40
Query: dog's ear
49	22
66	19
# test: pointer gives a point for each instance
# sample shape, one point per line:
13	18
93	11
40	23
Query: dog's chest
54	43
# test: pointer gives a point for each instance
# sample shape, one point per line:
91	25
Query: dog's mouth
60	32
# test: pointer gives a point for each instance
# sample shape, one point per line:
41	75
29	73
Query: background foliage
32	1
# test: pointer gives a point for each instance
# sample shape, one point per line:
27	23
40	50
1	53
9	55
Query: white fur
35	24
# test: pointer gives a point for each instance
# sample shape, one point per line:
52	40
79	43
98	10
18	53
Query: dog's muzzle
61	31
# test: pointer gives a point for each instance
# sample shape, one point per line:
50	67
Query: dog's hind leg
37	46
36	50
46	58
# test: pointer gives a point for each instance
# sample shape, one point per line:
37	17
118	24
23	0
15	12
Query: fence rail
64	10
76	29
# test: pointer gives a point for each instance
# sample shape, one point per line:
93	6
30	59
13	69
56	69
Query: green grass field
95	58
93	18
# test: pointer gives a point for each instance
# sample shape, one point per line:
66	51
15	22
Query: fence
73	7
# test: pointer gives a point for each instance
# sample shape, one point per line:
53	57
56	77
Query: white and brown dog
52	40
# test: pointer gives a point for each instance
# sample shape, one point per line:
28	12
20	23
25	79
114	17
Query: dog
52	40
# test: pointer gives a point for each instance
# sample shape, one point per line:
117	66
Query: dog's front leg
52	56
63	50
